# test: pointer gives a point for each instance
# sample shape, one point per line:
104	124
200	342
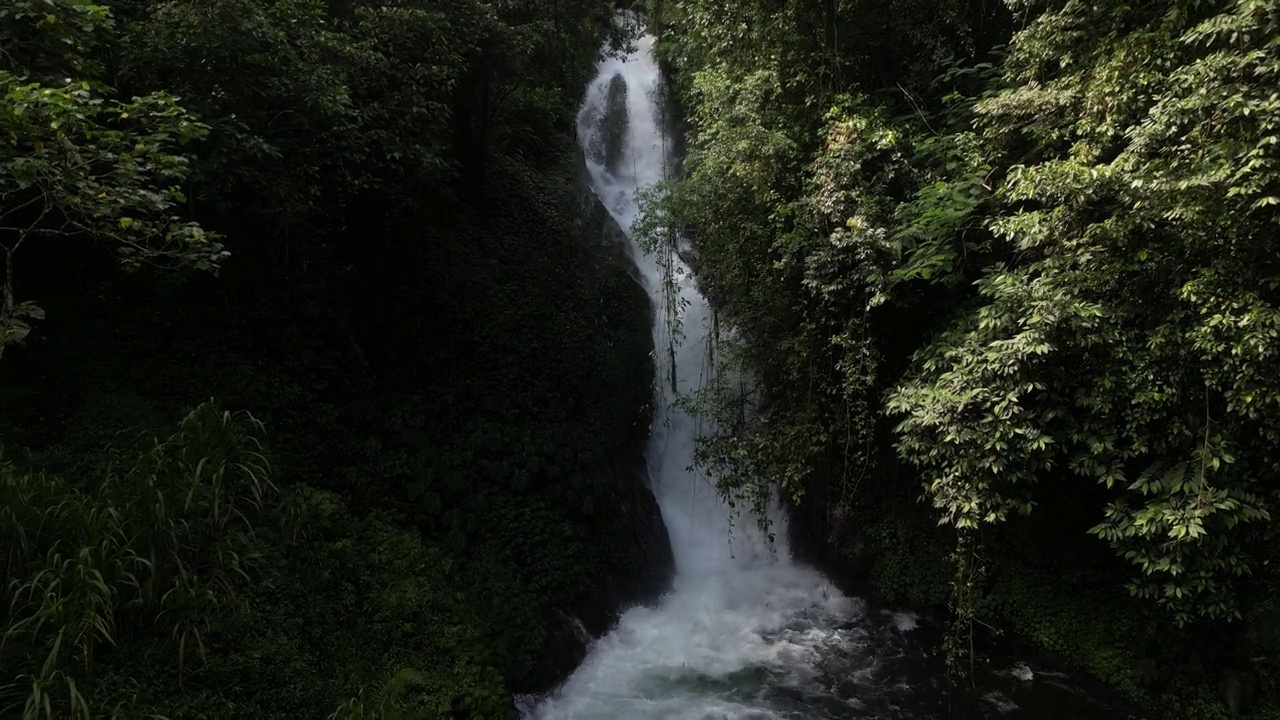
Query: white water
742	617
745	633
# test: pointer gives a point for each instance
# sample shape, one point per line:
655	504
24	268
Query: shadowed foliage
353	236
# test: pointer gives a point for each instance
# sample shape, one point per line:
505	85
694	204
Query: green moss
907	566
1063	620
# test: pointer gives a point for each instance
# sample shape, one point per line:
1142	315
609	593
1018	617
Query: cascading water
745	633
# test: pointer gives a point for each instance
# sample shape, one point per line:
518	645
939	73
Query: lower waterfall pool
779	642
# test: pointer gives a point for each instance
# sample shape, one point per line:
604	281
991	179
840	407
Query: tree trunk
7	315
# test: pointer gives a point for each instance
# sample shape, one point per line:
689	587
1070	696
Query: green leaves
1103	344
18	326
1057	266
49	40
75	164
167	540
1179	536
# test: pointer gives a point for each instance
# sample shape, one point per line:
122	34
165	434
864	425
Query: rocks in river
905	621
1000	702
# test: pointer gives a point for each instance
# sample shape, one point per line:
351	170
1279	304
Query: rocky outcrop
606	147
647	533
642	564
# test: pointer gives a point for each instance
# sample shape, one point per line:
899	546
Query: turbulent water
745	633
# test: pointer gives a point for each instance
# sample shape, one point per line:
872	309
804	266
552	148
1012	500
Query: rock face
642	564
820	539
652	565
566	645
640	577
647	534
571	631
606	148
616	122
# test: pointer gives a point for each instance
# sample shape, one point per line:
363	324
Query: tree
51	40
74	164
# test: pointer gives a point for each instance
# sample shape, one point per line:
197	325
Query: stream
746	633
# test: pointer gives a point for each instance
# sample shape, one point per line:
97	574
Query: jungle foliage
1017	262
318	396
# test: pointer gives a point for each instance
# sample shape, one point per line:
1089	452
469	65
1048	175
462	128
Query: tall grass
160	545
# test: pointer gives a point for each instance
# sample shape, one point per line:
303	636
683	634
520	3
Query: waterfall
621	126
740	611
745	633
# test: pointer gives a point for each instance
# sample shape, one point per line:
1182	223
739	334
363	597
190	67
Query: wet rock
566	645
598	229
611	123
640	577
652	565
641	562
616	120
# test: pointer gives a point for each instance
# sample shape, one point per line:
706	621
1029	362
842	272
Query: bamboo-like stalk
162	543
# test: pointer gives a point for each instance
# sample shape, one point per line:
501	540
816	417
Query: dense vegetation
1018	262
318	395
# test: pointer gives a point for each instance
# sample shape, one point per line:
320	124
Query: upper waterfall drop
624	134
738	603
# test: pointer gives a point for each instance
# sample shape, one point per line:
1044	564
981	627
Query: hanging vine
966	588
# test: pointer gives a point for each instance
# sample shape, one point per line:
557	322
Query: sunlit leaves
1095	225
1139	205
73	163
789	193
982	416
